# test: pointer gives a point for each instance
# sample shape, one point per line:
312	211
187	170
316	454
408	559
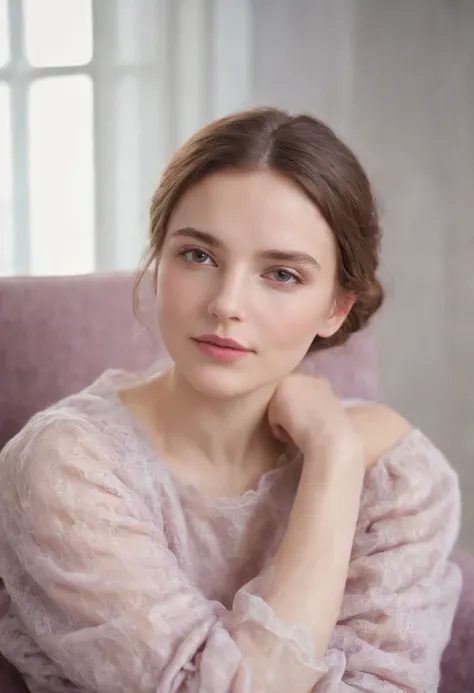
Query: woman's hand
305	410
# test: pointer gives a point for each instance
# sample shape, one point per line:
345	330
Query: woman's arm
400	589
311	564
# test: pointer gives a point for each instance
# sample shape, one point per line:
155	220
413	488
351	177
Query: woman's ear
340	310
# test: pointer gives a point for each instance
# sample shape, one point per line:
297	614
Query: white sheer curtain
94	97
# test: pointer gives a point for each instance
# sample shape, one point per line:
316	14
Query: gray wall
396	80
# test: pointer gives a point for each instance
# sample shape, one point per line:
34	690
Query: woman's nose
227	302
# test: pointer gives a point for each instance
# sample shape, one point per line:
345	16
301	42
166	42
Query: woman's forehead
260	208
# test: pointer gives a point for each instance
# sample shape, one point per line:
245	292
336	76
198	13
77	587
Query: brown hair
308	152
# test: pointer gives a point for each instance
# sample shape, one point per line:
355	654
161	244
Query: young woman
225	524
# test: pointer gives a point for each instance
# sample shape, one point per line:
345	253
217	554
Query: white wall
396	79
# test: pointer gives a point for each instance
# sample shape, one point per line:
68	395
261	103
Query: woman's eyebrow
291	256
274	254
197	235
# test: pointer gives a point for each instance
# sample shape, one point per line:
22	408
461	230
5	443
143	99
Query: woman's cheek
296	323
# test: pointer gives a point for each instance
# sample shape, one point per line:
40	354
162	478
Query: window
46	137
94	97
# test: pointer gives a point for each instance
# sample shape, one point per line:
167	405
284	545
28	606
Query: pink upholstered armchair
58	334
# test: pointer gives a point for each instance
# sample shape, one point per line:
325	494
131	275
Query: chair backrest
457	667
59	333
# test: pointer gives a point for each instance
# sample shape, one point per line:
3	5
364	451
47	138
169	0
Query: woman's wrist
333	461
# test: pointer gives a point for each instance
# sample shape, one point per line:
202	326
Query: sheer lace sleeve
402	590
91	577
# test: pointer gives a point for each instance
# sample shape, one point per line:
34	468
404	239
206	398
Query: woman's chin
220	386
218	383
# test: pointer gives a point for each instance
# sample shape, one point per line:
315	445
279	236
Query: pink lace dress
119	578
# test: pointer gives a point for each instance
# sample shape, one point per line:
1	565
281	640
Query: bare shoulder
380	429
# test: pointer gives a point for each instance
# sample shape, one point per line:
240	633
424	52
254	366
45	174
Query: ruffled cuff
278	655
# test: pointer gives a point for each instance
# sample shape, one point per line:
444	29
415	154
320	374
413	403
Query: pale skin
247	256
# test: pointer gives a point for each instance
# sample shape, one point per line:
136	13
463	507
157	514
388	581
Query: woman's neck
221	435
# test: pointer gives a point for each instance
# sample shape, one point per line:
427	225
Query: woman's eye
286	277
196	255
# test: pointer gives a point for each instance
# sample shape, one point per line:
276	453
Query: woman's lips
220	351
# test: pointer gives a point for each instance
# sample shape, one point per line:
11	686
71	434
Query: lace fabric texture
119	578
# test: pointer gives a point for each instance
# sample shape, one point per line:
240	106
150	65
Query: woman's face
247	257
